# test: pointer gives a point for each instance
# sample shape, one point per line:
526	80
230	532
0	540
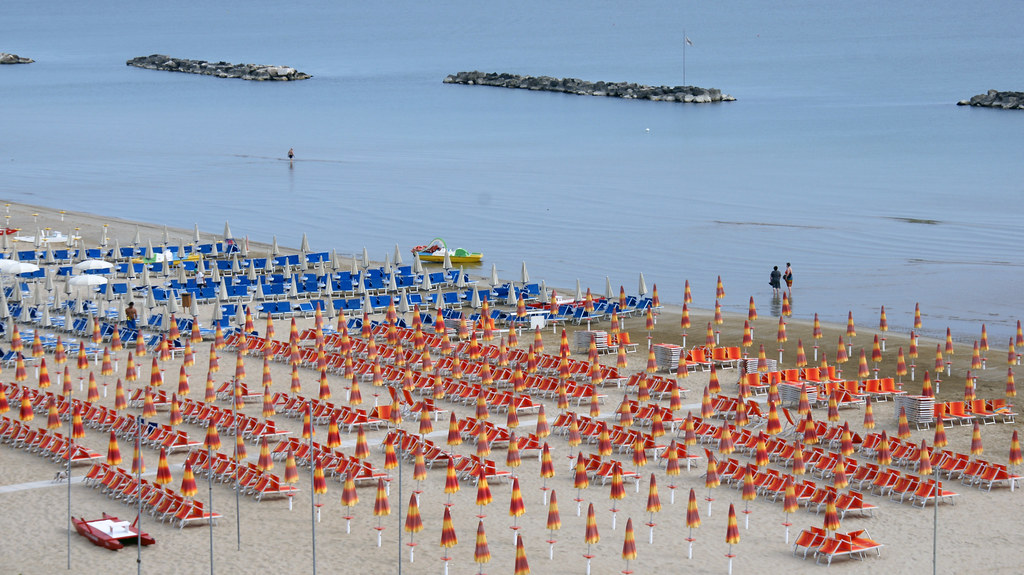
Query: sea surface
843	153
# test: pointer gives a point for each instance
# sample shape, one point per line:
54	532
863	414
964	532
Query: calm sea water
843	153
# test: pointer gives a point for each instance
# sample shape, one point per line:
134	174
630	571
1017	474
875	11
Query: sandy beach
977	532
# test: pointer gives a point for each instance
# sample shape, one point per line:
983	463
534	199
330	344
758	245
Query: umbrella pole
68	473
238	518
138	520
312	484
730	556
209	477
787	524
689	539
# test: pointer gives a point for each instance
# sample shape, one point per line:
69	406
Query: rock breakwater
996	99
255	72
6	58
627	90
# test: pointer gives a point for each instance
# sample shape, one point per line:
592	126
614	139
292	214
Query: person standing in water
788	276
291	155
773	280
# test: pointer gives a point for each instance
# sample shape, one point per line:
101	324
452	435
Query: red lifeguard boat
110	531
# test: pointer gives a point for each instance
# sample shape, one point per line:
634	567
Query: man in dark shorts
291	154
773	280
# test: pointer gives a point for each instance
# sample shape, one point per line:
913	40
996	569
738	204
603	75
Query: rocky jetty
6	58
626	90
220	69
996	99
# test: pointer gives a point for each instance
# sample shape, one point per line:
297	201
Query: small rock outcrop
996	99
630	91
6	58
220	69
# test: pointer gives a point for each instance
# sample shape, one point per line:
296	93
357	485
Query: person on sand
773	280
200	278
132	314
788	276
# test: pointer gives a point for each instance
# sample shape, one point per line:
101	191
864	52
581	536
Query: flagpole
684	56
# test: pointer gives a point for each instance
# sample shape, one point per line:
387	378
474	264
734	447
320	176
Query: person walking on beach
132	314
788	276
773	280
200	277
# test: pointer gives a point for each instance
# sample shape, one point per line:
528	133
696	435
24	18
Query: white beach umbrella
14	268
38	242
335	261
93	265
293	288
222	290
268	264
642	287
260	295
417	265
38	296
6	243
438	301
117	250
48	283
608	293
387	264
182	276
167	238
172	304
427	285
46	321
331	312
56	303
460	282
354	270
579	291
48	255
304	244
227	232
474	301
525	275
150	299
149	249
366	258
146	280
287	269
181	248
398	256
215	273
447	262
403	302
5	310
236	268
103	236
26	314
367	307
138	237
130	274
510	299
251	272
360	283
494	276
68	318
274	249
218	310
87	280
193	307
328	286
392	284
195	234
121	314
